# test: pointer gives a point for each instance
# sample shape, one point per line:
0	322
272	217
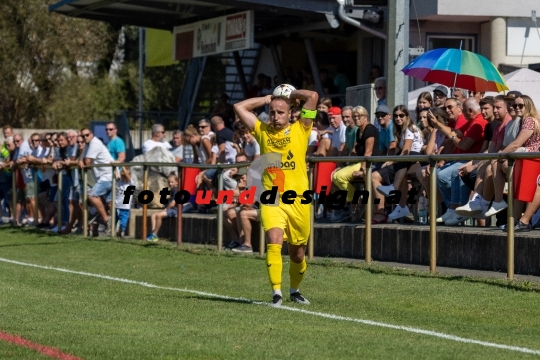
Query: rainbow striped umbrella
457	68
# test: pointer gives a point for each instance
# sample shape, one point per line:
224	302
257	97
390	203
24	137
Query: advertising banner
214	36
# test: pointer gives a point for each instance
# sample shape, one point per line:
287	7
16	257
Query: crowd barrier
187	171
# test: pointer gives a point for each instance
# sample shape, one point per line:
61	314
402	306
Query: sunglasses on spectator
17	141
80	142
109	129
380	114
202	127
401	116
519	106
85	135
36	140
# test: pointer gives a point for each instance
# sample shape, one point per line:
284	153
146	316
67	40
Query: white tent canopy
525	81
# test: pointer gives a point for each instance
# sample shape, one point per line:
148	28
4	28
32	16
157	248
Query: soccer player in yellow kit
290	220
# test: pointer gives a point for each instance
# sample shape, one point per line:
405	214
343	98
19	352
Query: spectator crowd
447	121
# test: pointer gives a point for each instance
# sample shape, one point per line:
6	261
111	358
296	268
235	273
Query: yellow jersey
292	144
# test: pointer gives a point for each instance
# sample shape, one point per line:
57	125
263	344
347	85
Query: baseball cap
512	95
241	171
382	109
442	89
334	110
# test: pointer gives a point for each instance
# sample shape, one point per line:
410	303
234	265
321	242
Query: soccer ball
283	90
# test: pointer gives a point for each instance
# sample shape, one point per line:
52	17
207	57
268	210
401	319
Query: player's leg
274	262
297	235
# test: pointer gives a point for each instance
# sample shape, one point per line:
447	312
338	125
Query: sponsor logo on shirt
278	143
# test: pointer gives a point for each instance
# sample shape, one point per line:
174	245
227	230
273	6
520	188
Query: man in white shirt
158	134
97	153
338	136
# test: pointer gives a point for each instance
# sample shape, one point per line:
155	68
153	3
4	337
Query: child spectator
122	210
170	210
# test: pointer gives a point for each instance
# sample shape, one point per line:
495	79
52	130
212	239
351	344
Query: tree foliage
58	72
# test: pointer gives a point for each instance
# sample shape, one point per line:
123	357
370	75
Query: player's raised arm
309	110
244	110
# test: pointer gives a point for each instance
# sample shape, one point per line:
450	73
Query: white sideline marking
283	307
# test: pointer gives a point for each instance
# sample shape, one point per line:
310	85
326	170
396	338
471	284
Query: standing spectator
5	175
116	146
478	95
7	130
97	153
158	134
61	163
225	140
75	193
123	210
26	197
177	149
380	92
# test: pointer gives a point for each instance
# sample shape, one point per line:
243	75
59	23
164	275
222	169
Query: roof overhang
272	17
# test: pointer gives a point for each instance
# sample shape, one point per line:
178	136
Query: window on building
451	41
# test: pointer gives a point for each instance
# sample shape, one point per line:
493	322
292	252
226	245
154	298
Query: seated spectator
381	175
528	140
245	214
158	134
424	102
116	145
324	104
461	94
410	142
177	146
251	147
296	112
440	95
97	153
350	130
474	172
320	143
170	210
230	212
366	144
433	145
468	139
339	129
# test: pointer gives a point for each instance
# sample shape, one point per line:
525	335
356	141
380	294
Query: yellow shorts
294	219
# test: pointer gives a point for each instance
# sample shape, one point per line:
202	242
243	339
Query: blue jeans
449	183
123	217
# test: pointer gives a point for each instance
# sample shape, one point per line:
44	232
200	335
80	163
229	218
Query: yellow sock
297	271
274	265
